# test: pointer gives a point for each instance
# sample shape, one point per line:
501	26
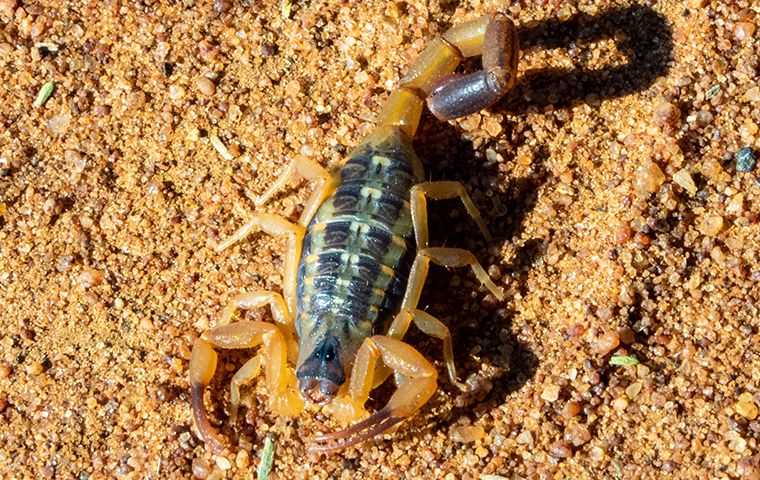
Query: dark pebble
745	160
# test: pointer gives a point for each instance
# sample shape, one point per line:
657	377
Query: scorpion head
321	373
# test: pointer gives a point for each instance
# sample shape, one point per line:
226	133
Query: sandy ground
624	229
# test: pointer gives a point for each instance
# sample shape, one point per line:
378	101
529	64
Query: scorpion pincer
358	258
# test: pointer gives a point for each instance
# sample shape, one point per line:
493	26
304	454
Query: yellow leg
440	191
310	170
259	298
430	326
445	257
280	378
243	376
417	385
256	299
277	226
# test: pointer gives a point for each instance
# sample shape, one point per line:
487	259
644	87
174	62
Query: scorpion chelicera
358	257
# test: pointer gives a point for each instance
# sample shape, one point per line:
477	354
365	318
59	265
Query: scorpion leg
278	226
446	257
418	275
418	381
256	299
243	376
310	170
440	191
430	326
280	379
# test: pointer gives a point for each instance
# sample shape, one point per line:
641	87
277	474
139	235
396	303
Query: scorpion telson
358	257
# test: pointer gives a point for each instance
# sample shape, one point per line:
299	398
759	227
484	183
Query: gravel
621	191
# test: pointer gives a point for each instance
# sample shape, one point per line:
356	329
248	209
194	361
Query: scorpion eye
329	352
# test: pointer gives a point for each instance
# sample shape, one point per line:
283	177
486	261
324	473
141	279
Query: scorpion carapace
358	257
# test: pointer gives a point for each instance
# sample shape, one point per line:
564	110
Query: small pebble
577	434
145	324
176	92
627	335
684	180
242	459
620	404
736	204
596	454
623	234
606	343
712	169
222	6
5	370
746	406
492	127
667	115
201	468
571	409
744	30
712	225
525	438
361	77
745	160
466	433
550	393
205	86
648	178
293	88
76	160
560	450
34	368
752	95
736	442
633	390
7	7
704	118
216	474
59	124
90	278
222	462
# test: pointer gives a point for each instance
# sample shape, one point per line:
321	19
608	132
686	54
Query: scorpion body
358	257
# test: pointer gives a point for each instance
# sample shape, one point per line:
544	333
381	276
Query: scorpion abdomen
359	247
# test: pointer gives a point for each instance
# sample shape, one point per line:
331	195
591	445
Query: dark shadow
502	363
639	33
643	37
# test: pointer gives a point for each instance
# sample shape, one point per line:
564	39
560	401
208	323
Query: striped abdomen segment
358	248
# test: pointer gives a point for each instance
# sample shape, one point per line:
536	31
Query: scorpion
358	257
